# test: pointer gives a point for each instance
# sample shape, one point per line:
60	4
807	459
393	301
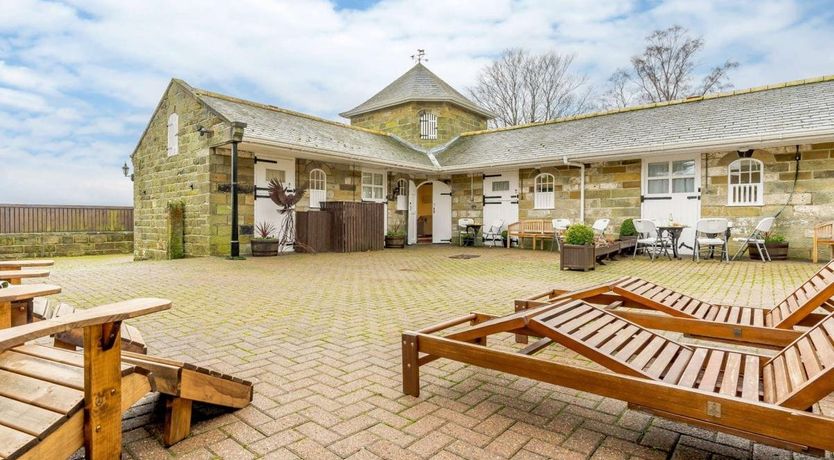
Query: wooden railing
27	218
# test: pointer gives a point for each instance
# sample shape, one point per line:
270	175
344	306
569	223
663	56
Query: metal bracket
736	332
491	175
109	332
261	160
647	198
714	409
448	193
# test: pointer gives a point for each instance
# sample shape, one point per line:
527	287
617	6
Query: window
402	195
373	186
318	188
745	183
670	177
501	186
428	125
545	197
173	134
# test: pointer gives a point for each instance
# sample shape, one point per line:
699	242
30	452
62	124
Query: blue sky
80	78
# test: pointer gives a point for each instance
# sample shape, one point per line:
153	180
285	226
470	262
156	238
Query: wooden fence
350	227
24	218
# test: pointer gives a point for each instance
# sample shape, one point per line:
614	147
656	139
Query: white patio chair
559	226
756	238
493	233
710	233
462	224
600	225
648	239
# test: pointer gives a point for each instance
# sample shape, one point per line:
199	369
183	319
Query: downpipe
581	167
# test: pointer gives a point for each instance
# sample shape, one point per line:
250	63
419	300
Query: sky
79	79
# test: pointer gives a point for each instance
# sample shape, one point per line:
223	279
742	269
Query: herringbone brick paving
319	336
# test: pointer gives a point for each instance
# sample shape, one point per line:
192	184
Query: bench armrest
104	314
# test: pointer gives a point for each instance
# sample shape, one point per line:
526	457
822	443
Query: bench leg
102	392
411	368
177	420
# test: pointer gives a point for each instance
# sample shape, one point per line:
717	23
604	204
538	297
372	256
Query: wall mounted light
126	171
203	130
745	152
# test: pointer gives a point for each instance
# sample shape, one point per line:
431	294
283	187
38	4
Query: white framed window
428	125
666	177
402	195
745	180
373	186
318	188
545	188
173	134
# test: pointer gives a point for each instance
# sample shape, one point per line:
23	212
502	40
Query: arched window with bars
428	125
318	188
545	191
745	178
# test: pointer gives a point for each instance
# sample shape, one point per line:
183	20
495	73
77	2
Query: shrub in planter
627	229
263	244
395	238
776	246
578	248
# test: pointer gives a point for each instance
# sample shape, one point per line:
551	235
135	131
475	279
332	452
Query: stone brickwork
812	202
404	121
159	178
220	201
467	200
32	245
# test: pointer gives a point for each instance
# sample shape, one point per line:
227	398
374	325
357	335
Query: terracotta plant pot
777	251
264	247
577	257
395	242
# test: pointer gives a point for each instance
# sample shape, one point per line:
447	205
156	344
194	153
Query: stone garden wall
34	245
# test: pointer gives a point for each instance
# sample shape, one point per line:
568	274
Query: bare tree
666	71
523	88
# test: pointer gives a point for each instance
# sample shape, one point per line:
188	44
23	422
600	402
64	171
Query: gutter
581	167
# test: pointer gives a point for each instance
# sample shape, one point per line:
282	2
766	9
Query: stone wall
812	202
404	121
219	226
467	200
32	245
159	178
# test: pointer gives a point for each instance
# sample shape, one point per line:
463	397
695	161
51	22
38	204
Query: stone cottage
424	150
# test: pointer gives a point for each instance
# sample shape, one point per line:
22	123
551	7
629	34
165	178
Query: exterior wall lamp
126	171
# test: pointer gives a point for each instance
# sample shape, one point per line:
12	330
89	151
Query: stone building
424	149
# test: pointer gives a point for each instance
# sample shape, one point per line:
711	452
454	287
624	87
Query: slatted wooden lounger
15	276
761	398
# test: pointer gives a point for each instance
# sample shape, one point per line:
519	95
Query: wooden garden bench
535	229
766	399
25	263
823	235
16	302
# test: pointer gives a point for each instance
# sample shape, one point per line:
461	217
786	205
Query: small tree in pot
395	238
628	235
578	248
263	244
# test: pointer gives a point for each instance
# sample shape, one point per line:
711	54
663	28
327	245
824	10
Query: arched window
173	134
545	187
428	125
745	183
402	194
318	188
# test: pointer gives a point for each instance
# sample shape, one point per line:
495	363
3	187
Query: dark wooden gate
313	230
348	227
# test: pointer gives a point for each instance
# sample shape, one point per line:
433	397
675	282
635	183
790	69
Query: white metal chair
756	238
462	230
711	233
600	225
559	227
493	233
648	239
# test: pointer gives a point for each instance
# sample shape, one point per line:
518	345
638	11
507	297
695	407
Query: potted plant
263	244
628	234
578	248
395	238
776	246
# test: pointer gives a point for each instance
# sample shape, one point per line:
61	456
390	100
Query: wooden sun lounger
764	399
25	263
14	276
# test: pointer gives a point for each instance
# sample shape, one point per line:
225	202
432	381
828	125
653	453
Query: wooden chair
823	235
768	400
16	302
535	229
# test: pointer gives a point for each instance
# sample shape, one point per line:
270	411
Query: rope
793	189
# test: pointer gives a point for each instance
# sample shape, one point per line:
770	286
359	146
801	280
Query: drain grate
464	256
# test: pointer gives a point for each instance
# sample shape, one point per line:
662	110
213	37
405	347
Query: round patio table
674	233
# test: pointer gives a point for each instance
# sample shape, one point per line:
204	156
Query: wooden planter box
265	248
777	251
395	242
577	257
627	244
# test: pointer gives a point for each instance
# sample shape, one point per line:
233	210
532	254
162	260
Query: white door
441	213
266	211
500	198
672	191
412	212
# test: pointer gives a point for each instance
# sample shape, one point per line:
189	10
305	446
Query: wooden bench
536	229
823	235
27	263
14	276
16	302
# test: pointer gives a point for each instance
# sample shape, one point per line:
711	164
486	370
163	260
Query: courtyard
319	337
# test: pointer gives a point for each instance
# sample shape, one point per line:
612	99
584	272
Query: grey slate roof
763	113
286	127
418	84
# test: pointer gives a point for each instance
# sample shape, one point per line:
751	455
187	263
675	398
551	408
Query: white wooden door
441	213
266	211
672	191
500	198
412	212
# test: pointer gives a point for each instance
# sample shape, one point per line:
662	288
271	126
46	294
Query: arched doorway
430	213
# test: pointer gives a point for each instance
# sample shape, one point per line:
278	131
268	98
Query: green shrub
627	228
176	229
774	239
579	234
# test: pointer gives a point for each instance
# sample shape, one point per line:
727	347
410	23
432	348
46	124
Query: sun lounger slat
750	386
746	316
781	381
769	384
732	372
712	313
642	290
648	352
559	316
576	323
825	350
635	344
595	326
677	367
13	441
622	336
809	357
606	333
710	378
758	317
687	305
733	316
663	359
693	368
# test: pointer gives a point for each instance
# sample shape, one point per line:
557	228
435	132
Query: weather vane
420	56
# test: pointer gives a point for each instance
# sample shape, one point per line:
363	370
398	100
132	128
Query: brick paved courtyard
319	335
